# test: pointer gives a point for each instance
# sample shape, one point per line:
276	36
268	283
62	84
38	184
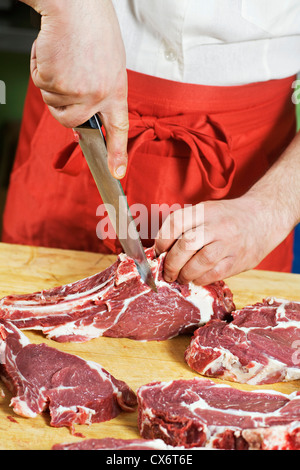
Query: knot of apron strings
207	140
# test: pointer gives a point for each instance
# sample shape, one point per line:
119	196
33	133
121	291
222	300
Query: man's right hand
78	62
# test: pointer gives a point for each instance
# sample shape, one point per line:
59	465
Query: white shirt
211	42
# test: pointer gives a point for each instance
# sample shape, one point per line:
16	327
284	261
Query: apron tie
209	145
207	139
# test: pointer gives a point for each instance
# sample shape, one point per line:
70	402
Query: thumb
116	126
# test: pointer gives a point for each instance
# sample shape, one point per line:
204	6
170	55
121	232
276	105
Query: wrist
273	216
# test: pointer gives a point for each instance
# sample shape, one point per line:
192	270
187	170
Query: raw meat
117	303
115	444
198	412
74	390
261	345
285	437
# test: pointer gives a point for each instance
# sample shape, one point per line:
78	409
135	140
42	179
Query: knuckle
233	229
209	277
170	229
119	127
79	91
198	214
164	233
39	80
64	85
228	268
184	276
206	257
188	243
211	254
160	246
58	85
176	218
219	272
47	98
169	267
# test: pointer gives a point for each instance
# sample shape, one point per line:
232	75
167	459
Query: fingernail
120	171
76	136
168	278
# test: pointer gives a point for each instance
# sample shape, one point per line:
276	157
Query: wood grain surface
26	269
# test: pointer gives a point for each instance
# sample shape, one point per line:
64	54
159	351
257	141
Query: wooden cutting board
26	269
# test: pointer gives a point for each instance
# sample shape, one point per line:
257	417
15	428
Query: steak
201	413
109	443
117	303
74	390
261	345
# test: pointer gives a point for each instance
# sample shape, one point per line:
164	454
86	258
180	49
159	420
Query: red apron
187	143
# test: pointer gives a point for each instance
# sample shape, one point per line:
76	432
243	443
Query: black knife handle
93	123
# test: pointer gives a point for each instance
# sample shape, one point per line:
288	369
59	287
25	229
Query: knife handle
93	123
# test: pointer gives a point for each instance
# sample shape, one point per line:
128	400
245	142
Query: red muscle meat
74	390
109	443
200	413
117	303
261	345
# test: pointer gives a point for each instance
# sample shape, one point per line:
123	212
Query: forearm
279	188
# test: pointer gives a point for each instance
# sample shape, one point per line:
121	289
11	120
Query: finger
57	100
116	127
176	224
221	271
71	116
182	251
33	61
203	261
34	70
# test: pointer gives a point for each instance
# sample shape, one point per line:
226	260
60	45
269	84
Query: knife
93	146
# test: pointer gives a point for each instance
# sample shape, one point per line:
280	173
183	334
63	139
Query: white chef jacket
211	42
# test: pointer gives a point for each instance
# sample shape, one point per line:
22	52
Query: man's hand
78	61
211	241
218	239
215	240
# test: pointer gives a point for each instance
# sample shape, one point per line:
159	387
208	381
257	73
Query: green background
14	71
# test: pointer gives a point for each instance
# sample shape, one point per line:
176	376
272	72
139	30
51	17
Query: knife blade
93	146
